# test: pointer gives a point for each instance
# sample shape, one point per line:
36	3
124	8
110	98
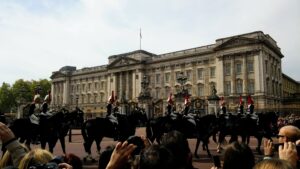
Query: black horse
56	127
204	128
49	130
98	128
265	125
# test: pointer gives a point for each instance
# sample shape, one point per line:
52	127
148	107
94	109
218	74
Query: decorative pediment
57	74
235	42
123	61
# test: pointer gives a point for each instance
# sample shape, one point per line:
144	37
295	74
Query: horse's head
75	117
138	117
268	121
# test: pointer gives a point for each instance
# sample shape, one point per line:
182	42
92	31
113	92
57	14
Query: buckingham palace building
241	65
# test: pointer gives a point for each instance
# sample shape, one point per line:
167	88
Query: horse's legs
62	143
196	149
259	139
205	142
98	141
221	140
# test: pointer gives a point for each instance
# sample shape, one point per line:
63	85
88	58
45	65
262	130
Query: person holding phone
236	156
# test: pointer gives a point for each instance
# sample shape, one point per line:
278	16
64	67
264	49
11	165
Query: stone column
220	76
259	71
127	85
233	76
120	85
245	75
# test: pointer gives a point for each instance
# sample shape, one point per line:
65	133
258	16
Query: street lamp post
181	79
145	96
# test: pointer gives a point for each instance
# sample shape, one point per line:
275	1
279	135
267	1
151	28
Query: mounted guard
186	111
170	105
222	106
250	104
241	105
112	108
45	105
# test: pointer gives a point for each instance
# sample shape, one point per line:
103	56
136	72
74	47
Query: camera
53	164
136	140
50	165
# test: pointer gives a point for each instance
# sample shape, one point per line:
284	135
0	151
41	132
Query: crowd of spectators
173	152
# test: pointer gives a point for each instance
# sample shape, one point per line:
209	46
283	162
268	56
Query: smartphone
276	146
217	162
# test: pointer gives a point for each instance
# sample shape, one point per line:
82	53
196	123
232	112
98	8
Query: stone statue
213	90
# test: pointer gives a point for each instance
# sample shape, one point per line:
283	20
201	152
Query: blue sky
38	37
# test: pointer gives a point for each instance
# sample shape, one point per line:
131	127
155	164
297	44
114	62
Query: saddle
113	119
190	118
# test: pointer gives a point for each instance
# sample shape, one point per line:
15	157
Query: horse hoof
196	155
84	159
93	160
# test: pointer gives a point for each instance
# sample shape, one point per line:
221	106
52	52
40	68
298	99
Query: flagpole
140	38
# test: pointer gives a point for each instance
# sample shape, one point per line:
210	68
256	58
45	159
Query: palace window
157	78
200	90
167	77
213	72
227	90
227	69
200	73
250	67
251	86
177	74
189	75
157	93
239	86
238	68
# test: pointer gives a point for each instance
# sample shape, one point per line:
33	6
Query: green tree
7	100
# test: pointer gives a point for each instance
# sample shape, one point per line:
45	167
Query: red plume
111	98
170	101
222	101
186	100
241	100
249	100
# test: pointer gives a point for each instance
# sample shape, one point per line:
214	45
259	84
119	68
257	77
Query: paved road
76	147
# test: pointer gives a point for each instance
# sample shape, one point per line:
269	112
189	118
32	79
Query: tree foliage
21	92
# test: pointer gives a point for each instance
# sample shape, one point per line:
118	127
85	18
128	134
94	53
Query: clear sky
38	37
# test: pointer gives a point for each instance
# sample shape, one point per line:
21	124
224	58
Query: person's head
274	163
6	159
238	155
288	133
156	156
35	157
178	144
105	157
73	160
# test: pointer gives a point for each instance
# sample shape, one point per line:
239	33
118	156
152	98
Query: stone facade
239	65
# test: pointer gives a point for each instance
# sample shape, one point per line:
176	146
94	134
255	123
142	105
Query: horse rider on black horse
186	111
45	106
112	108
34	113
170	106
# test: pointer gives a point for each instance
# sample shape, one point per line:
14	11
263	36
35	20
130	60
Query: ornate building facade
246	64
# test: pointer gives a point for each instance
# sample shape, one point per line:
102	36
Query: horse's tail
149	131
84	131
